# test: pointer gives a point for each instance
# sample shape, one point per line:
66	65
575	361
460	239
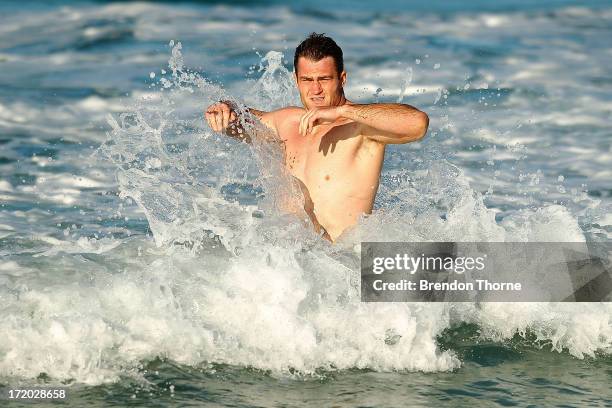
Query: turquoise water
143	260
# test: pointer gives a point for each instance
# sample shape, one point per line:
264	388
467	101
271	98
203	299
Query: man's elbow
423	125
417	128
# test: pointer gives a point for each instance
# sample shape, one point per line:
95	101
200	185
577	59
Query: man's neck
342	100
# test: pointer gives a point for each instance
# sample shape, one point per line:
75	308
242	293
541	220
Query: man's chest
327	148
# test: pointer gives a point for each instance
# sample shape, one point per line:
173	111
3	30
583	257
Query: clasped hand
317	116
219	115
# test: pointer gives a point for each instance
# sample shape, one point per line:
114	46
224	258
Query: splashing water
405	84
231	279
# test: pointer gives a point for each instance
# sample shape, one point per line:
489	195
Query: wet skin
334	148
337	166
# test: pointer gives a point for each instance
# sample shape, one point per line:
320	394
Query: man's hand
219	115
317	116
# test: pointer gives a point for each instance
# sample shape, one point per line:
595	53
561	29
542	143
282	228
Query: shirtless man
333	146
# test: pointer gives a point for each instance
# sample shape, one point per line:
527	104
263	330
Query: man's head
319	71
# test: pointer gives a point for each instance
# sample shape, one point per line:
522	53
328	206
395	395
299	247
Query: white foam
5	186
83	245
579	329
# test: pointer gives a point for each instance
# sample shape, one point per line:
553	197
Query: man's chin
312	105
321	104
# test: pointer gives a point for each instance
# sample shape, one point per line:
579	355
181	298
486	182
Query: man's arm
388	123
223	117
382	122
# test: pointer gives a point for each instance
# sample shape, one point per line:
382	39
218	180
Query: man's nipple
327	177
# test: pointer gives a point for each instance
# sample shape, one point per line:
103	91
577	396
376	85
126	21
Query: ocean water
143	258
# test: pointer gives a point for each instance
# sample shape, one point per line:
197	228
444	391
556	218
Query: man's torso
339	168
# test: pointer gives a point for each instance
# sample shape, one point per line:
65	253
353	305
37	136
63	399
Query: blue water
142	258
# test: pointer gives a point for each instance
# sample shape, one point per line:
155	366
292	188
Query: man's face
318	83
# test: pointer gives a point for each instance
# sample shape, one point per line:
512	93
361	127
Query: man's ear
295	78
343	78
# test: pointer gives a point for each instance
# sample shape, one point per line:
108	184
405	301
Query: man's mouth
318	99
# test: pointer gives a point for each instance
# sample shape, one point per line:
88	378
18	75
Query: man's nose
316	87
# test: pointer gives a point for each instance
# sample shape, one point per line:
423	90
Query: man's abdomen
337	207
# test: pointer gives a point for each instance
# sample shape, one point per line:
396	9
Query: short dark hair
316	47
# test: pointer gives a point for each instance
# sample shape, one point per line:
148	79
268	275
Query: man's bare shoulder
285	120
288	112
276	117
279	120
282	119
